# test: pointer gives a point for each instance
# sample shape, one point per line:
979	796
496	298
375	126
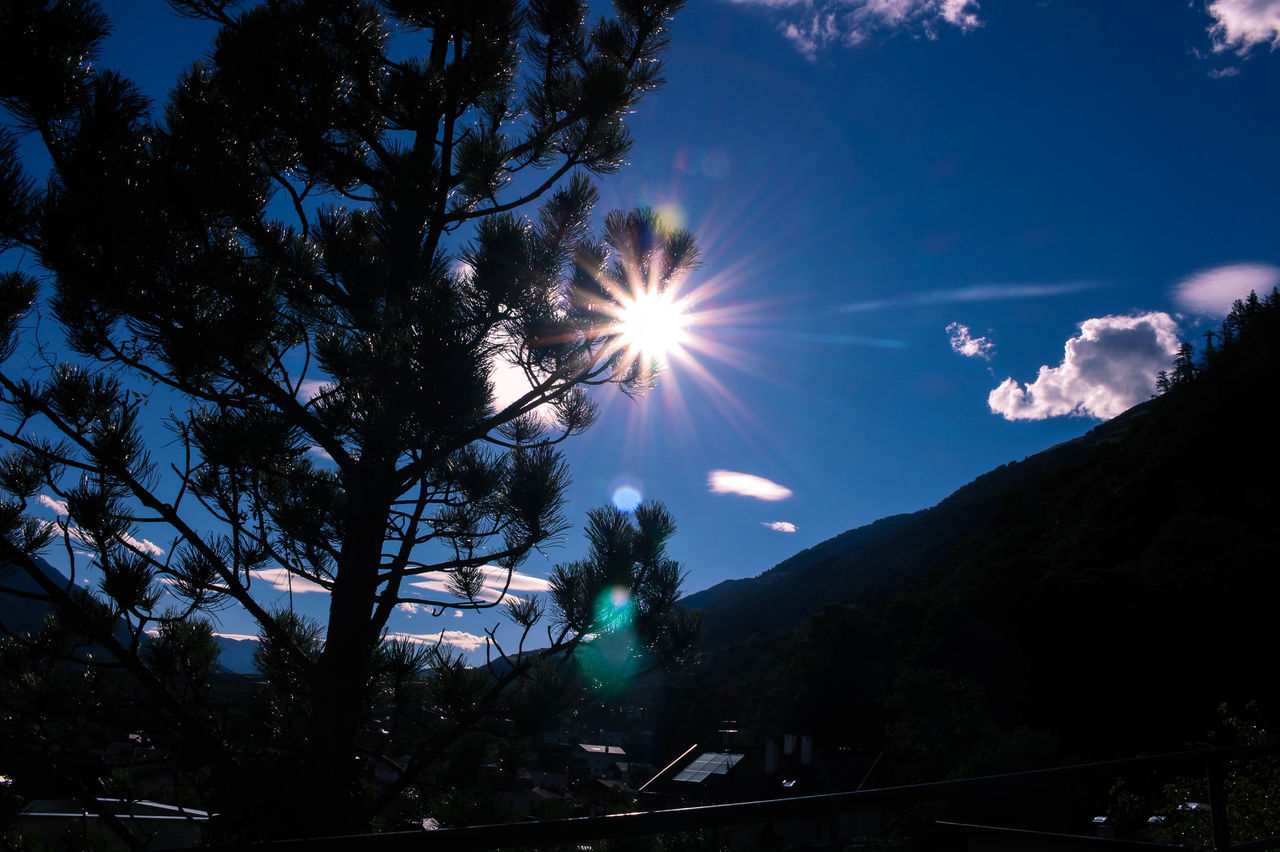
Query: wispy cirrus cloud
746	485
964	343
1110	366
975	293
1211	292
814	26
1242	25
495	580
780	526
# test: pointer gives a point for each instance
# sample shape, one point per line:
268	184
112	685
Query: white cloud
509	380
964	343
961	13
459	639
320	452
237	637
282	581
1223	73
509	384
309	389
975	293
144	545
1242	25
781	526
495	579
812	26
1111	365
746	484
59	507
1210	292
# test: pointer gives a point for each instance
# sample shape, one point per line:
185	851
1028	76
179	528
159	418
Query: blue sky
937	236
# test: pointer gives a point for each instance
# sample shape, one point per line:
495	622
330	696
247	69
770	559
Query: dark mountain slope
1103	597
870	564
21	610
1124	599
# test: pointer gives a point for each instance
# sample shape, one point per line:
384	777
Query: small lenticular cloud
746	485
1211	292
780	526
964	343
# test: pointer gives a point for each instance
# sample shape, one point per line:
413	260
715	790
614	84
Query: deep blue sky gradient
846	200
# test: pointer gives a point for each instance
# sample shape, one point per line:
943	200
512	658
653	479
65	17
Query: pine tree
308	265
1184	365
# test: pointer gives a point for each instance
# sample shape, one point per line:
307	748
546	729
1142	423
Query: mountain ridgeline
1105	596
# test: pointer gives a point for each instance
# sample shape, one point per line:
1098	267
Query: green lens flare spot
614	609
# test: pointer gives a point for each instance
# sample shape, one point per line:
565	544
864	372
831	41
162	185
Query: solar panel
706	765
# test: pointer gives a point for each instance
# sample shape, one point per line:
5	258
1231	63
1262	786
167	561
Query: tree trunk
342	679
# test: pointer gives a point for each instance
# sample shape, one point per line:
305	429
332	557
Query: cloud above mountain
1110	366
780	526
1211	292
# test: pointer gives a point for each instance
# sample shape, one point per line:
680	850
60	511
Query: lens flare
613	656
614	609
627	498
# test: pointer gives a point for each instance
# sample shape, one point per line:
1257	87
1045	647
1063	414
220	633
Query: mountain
869	564
236	655
1107	595
20	613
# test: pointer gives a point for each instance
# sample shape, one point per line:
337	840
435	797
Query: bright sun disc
652	324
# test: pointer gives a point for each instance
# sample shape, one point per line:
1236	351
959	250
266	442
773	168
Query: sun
653	325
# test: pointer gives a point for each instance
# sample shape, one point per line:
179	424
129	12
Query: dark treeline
1250	318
